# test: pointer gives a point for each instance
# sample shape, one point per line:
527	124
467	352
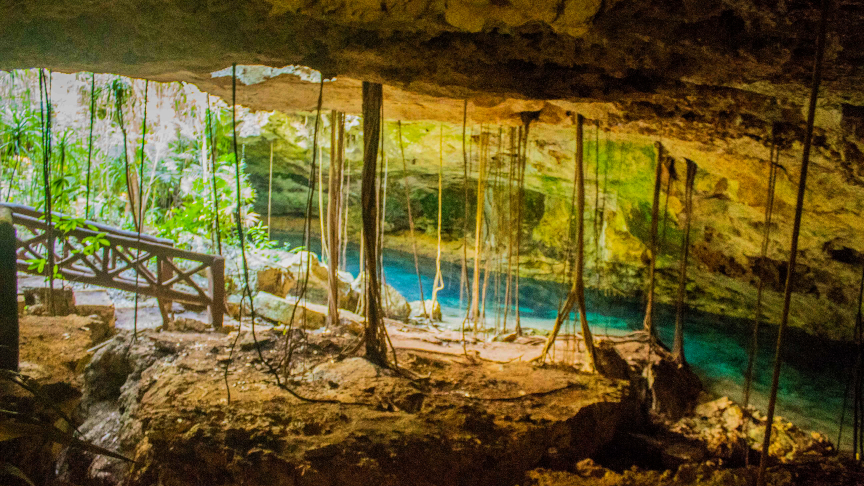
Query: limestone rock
279	310
37	299
731	432
186	324
95	302
394	305
674	389
433	311
232	306
609	363
288	275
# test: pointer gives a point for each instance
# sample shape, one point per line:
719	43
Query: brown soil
55	349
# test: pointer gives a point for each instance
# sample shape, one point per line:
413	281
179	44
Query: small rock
186	324
506	338
587	468
433	311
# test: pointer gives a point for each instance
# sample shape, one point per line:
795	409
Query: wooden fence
96	254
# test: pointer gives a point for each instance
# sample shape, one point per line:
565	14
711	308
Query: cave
268	242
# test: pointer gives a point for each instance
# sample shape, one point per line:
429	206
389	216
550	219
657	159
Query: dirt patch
55	349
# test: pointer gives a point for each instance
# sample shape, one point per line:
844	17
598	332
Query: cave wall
727	220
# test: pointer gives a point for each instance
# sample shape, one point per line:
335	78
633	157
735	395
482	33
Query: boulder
288	274
609	362
433	311
674	388
279	310
394	305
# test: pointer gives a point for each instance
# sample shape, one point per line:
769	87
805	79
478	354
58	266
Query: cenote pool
814	372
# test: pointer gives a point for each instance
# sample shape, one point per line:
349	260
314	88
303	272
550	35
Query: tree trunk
376	350
678	347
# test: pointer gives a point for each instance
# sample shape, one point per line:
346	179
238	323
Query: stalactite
411	220
649	309
678	347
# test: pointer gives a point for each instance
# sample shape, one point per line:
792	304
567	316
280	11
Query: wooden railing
96	254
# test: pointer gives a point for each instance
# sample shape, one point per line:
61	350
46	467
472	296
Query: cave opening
477	243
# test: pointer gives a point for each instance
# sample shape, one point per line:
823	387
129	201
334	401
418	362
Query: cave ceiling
710	76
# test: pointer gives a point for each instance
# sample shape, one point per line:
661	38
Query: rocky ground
481	413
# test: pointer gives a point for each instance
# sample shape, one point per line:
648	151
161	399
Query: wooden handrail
119	252
20	209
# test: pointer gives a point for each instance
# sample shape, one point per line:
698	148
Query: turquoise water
814	372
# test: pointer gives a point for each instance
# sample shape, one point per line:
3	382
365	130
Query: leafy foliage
178	171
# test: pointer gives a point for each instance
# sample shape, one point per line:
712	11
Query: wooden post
216	280
163	274
8	293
